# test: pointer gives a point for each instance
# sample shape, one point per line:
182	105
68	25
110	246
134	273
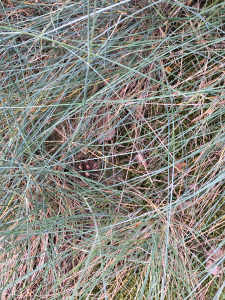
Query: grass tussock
112	149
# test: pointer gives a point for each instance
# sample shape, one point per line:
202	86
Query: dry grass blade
105	126
213	256
141	160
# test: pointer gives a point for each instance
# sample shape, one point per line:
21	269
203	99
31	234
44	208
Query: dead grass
112	177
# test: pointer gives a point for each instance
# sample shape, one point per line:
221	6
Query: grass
112	149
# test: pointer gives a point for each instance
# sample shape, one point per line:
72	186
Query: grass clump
112	149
